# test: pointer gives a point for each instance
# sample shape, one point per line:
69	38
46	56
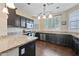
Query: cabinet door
22	22
43	36
60	39
65	40
27	49
69	40
11	17
37	35
76	45
31	49
77	48
51	38
18	21
29	24
11	20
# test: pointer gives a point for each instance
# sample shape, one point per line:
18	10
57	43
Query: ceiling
35	8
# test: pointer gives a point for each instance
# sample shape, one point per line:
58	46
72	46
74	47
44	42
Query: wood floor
48	49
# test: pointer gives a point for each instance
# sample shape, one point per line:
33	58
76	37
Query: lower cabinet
27	49
62	39
76	45
65	40
37	35
43	36
51	38
77	48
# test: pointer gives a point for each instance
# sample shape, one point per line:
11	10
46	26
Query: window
74	21
53	23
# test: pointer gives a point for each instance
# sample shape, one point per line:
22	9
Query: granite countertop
10	42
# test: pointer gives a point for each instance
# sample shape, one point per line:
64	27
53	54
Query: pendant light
5	10
50	16
39	17
44	16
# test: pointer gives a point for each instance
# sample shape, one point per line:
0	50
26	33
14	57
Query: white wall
66	16
3	21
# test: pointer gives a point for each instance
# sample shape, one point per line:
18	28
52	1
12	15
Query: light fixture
39	17
5	10
50	16
44	13
44	17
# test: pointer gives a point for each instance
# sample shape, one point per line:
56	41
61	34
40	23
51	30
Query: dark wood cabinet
43	36
51	38
65	40
23	22
11	17
76	45
29	49
61	39
37	34
15	20
29	24
10	20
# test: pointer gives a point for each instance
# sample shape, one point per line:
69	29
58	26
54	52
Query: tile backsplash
15	30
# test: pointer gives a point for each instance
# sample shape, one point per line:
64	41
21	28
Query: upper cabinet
11	17
18	21
15	20
23	22
29	24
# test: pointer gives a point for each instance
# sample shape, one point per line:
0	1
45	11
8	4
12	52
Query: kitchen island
9	45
